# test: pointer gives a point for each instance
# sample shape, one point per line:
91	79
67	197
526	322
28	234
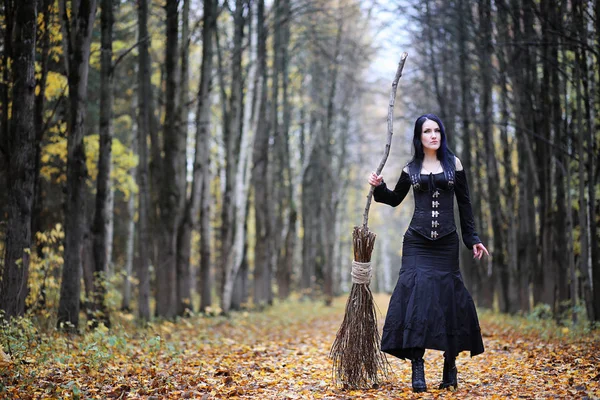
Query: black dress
430	307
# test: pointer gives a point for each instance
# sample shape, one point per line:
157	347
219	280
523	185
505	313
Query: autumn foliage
281	353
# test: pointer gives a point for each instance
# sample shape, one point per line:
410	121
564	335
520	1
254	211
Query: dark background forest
171	157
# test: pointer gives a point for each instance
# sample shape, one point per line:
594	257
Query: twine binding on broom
361	272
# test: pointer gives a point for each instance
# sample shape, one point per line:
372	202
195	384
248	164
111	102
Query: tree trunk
201	167
184	231
77	25
286	266
489	286
329	202
310	212
170	194
232	130
100	226
240	292
594	177
260	183
543	153
183	99
21	163
130	232
87	269
145	127
40	101
7	54
561	248
470	269
276	178
235	258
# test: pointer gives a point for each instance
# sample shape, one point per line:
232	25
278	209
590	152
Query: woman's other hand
478	251
374	179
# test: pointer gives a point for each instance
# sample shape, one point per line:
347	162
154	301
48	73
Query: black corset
433	217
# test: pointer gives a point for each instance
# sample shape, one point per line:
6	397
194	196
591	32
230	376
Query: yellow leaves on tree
123	161
56	84
54	159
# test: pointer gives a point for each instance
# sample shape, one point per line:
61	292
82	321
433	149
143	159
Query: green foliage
540	312
541	322
17	336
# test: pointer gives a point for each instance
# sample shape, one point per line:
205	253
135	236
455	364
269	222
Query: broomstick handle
390	132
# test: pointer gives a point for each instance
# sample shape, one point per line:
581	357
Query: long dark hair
444	154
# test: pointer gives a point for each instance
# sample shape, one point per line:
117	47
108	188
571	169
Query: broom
357	359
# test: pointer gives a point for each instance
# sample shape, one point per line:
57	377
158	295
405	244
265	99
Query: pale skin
431	138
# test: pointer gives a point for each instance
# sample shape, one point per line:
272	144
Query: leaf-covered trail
283	353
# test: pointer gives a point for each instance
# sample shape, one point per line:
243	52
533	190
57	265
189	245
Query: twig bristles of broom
357	359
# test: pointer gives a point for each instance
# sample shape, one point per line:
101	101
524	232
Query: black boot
449	377
418	375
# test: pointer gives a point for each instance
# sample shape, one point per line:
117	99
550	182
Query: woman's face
431	135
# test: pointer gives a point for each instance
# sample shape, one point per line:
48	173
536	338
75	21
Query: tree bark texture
232	133
170	194
43	38
543	153
184	234
260	183
130	244
100	228
201	169
77	24
289	244
21	162
145	127
236	257
594	174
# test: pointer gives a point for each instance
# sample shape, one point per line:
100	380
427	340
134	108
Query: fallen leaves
282	353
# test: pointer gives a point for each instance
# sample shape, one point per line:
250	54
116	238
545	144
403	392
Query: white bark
242	183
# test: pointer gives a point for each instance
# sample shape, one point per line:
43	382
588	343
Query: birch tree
235	257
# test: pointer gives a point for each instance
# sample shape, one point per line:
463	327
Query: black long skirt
430	307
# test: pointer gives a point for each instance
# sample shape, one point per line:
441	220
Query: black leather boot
418	375
449	376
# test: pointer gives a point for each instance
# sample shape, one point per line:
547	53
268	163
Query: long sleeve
382	194
467	223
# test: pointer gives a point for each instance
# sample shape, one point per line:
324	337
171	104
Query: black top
434	194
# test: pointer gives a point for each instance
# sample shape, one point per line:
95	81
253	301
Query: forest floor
282	353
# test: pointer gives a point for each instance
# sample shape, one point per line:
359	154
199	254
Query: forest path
282	353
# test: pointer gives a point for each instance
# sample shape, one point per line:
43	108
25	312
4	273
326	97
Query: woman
430	307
